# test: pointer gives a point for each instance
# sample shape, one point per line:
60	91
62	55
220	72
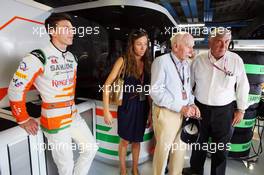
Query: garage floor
234	167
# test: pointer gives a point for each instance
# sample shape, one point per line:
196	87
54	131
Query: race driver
52	70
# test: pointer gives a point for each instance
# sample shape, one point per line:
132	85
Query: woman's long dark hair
131	64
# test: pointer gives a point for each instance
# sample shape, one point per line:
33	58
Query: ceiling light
199	39
191	25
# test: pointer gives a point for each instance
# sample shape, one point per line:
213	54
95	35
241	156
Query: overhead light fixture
191	25
199	39
116	28
249	45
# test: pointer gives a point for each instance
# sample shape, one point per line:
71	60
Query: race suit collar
58	48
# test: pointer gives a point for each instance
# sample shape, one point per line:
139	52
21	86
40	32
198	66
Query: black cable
260	134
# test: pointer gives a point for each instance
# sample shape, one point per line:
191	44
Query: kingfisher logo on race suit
62	83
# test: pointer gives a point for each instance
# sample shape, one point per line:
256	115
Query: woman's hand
149	122
108	118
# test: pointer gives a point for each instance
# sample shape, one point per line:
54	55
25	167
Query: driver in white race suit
52	70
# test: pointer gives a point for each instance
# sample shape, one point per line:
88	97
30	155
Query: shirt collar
213	59
177	61
57	49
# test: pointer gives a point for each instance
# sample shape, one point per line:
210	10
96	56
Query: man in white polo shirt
221	93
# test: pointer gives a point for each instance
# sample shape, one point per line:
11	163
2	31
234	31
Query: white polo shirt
214	87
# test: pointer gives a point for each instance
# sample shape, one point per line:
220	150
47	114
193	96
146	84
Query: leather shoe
189	171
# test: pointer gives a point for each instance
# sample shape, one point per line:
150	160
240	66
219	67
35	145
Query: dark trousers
216	123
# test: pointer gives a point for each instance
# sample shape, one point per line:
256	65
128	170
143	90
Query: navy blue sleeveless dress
133	113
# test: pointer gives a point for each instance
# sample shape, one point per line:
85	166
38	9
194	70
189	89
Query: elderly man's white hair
181	37
220	32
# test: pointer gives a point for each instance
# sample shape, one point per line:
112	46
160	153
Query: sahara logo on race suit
17	83
23	66
57	67
53	59
60	83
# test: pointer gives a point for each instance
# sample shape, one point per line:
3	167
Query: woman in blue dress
135	110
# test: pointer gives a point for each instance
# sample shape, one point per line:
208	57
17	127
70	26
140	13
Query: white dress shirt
213	87
166	85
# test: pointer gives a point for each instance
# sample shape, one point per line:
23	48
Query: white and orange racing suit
53	73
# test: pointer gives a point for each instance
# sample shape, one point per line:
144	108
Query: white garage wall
18	25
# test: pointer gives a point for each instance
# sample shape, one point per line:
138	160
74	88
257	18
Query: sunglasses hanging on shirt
227	73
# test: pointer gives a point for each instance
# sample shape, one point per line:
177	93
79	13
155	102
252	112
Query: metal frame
16	134
11	137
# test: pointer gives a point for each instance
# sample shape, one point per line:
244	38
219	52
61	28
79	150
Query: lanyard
181	77
227	73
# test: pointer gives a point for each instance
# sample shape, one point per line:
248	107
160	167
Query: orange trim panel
20	18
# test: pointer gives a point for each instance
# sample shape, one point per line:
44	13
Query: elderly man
171	94
221	93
